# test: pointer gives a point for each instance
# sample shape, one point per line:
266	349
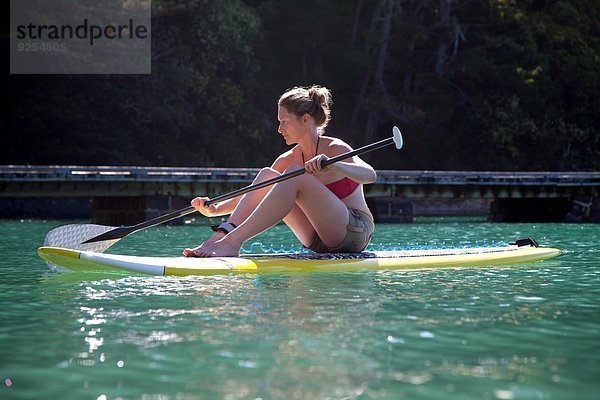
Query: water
519	332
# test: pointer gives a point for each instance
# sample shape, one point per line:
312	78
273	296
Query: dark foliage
473	84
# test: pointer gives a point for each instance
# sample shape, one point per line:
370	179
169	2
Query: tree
485	84
193	109
545	55
474	84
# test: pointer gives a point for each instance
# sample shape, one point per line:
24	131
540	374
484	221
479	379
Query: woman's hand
314	165
199	203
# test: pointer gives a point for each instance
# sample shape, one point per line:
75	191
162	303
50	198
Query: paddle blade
73	236
398	141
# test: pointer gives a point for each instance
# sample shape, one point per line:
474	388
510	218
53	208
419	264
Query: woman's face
291	127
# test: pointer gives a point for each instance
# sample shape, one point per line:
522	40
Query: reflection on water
526	331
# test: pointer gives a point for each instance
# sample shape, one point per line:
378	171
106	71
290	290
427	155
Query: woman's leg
300	225
244	208
327	214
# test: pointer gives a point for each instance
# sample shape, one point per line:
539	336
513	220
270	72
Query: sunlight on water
517	332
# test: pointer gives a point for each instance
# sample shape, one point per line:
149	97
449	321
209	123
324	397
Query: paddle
98	238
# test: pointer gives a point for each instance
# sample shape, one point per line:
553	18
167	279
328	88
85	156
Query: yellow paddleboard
297	262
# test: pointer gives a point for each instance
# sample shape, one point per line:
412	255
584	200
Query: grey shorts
359	234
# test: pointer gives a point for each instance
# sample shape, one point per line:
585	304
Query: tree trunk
379	87
364	86
385	39
443	44
356	20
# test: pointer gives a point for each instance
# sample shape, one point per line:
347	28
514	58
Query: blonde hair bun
315	101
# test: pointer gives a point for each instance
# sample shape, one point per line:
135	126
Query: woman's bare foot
218	235
220	248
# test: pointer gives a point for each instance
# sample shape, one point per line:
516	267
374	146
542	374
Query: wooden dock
110	194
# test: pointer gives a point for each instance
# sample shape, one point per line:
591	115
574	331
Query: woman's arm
354	168
283	161
357	170
226	207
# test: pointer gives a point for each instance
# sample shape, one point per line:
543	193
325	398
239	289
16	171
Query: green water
520	332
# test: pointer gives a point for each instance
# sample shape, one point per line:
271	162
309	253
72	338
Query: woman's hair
315	101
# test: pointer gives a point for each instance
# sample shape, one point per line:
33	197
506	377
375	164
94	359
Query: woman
325	207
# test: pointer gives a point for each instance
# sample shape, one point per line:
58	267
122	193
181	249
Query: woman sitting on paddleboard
325	207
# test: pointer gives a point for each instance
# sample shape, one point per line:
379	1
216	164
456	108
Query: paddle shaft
121	232
299	171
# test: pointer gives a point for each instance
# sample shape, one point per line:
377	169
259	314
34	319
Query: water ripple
521	332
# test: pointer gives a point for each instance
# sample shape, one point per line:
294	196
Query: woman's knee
292	168
304	179
265	174
299	178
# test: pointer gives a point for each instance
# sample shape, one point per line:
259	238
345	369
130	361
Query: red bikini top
342	188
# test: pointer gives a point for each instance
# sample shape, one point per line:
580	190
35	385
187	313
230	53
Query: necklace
316	149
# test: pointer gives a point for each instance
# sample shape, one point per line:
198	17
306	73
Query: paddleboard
298	262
